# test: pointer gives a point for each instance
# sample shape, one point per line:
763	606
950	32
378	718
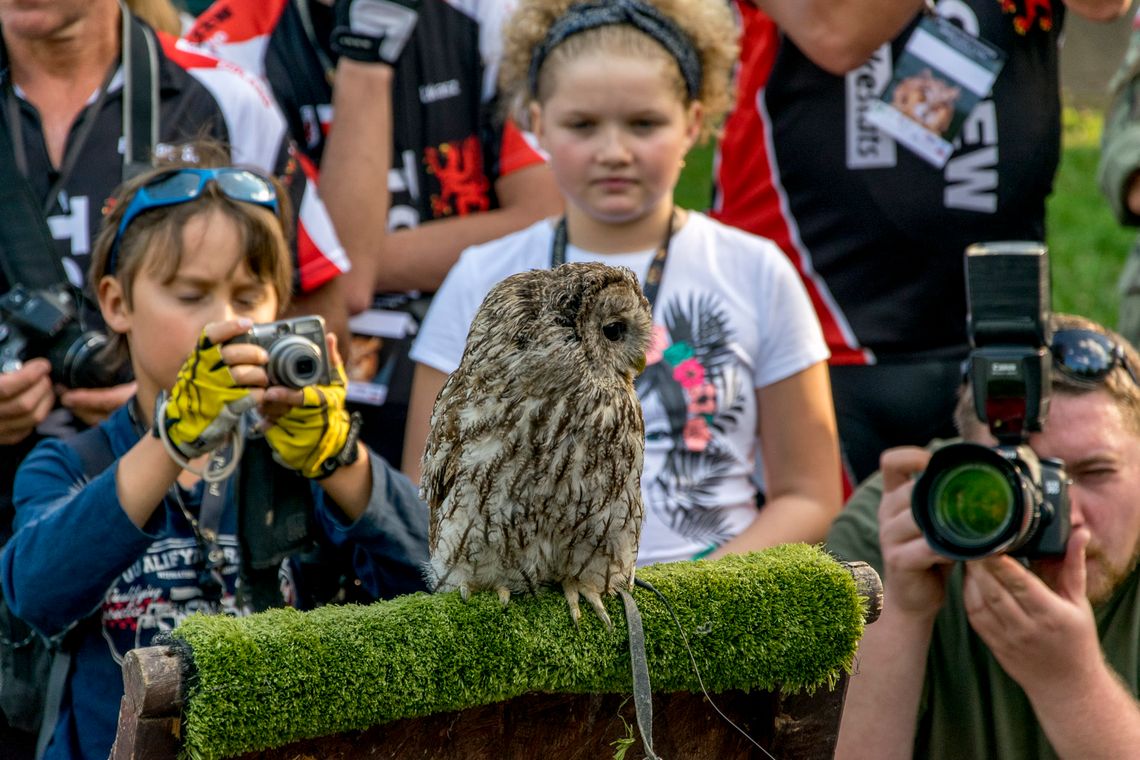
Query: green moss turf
788	618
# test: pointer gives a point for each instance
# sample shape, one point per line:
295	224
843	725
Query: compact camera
296	347
45	323
973	501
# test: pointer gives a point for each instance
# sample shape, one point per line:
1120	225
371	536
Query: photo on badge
940	76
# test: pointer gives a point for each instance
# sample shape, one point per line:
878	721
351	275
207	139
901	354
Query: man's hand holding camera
26	399
1040	629
915	576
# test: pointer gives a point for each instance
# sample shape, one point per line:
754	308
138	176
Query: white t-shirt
731	316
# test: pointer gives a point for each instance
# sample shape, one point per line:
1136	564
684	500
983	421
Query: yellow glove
319	435
204	405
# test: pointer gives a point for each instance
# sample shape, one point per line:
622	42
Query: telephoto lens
973	501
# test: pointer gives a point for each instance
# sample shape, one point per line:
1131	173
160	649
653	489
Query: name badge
940	75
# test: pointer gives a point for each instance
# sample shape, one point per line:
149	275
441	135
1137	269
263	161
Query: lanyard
87	123
306	15
140	111
205	526
656	266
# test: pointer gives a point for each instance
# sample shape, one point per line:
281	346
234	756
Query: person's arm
426	385
73	538
1118	171
801	463
839	35
1099	10
328	301
881	709
419	258
354	171
391	529
1046	639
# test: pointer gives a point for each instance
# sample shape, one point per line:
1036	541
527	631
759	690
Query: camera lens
77	360
294	362
971	504
972	501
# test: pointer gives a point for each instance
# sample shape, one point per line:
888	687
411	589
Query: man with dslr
1010	656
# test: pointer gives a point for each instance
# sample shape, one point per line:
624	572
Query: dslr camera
45	322
296	347
972	500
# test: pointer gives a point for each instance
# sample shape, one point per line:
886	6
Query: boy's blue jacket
75	552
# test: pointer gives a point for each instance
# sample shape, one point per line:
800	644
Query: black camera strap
24	236
140	95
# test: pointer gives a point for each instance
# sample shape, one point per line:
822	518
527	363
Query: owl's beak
640	364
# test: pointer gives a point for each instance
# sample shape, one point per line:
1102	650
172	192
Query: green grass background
1087	247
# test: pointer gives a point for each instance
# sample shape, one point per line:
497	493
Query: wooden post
150	720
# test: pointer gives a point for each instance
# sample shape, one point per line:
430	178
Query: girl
617	93
187	259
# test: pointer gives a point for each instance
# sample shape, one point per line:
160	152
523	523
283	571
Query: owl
533	464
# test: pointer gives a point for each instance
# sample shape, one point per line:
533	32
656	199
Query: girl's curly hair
708	23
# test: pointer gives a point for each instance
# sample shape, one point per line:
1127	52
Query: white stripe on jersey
802	253
319	227
255	124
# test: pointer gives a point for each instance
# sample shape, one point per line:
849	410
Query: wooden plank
150	713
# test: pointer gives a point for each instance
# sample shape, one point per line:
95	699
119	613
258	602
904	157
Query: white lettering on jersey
72	225
976	176
403	179
972	175
430	93
867	147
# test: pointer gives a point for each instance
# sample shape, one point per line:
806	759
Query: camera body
45	322
973	501
296	347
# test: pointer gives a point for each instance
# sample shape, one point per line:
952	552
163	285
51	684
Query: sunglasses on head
1087	356
183	186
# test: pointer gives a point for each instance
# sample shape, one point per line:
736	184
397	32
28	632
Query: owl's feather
533	465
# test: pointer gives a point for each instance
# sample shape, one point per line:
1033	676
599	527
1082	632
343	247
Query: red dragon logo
463	187
1026	12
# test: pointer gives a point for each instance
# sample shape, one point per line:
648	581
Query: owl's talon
571	593
595	601
504	596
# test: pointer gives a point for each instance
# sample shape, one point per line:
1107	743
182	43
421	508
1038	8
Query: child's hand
312	428
215	386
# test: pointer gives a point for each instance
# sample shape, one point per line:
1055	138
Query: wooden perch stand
563	726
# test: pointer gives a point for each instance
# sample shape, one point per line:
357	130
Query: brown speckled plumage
533	465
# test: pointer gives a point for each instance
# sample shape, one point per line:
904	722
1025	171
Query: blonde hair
153	240
159	14
1118	383
708	23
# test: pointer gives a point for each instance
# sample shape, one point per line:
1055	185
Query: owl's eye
614	331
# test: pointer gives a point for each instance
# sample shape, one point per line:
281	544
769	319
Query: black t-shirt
878	233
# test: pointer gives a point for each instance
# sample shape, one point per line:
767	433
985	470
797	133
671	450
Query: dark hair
264	235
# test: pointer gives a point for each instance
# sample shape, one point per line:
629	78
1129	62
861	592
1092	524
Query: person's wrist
373	31
349	452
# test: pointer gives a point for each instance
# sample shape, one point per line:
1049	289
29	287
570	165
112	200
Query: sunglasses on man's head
184	185
1087	356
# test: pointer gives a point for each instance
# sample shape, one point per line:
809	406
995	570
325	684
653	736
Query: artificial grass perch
787	618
